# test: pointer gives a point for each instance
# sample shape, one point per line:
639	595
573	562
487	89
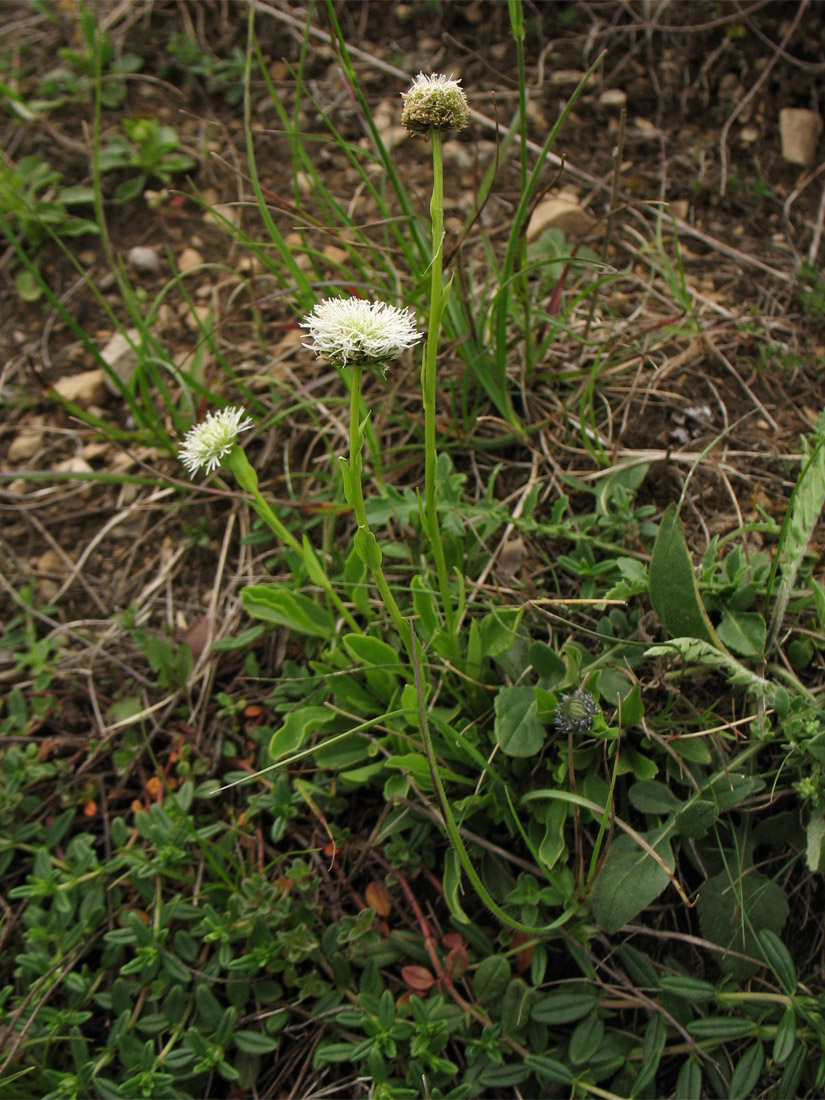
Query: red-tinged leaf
452	939
456	961
418	978
378	899
524	956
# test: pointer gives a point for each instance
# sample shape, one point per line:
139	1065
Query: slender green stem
365	540
428	385
238	464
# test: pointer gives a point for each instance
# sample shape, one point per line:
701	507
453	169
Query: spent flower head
207	443
353	330
435	102
576	712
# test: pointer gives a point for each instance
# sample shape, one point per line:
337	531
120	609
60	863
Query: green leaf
451	885
674	592
695	990
515	1005
695	651
804	510
815	849
549	1067
779	959
518	730
654	797
631	878
586	1040
372	652
696	818
721	1027
491	978
286	608
297	728
564	1006
732	914
652	1046
689	1081
367	548
785	1037
744	632
746	1074
253	1042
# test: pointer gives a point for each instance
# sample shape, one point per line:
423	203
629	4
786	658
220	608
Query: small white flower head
434	102
208	442
353	330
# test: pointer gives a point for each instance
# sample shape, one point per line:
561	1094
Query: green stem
452	829
238	464
369	549
428	385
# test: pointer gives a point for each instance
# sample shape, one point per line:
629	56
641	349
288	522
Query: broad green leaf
744	632
792	1074
515	1005
297	728
674	592
732	914
654	797
631	878
290	609
372	651
586	1040
492	977
517	728
696	819
549	1067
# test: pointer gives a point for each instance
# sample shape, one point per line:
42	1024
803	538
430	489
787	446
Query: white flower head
435	102
353	330
208	442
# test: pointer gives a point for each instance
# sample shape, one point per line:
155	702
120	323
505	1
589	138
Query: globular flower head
576	712
434	102
208	442
353	330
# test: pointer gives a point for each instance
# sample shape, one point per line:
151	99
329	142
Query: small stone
25	444
613	98
749	134
86	388
189	258
121	356
74	465
799	130
559	214
52	562
220	213
144	259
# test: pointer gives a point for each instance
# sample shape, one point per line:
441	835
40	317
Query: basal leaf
290	609
674	592
517	728
631	878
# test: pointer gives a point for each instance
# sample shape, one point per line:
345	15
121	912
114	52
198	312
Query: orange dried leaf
418	978
154	785
90	809
378	899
